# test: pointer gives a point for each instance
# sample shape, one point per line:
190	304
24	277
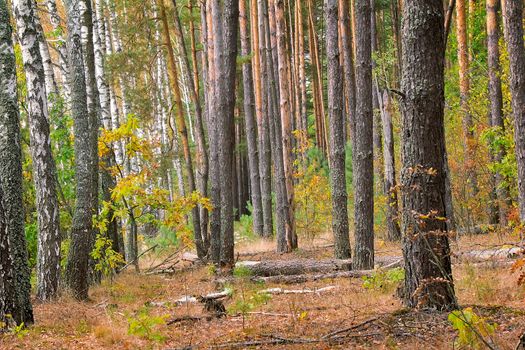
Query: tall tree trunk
225	25
61	47
301	68
181	125
285	101
15	286
45	177
107	180
348	65
464	87
260	76
317	80
428	281
337	136
363	161
250	124
390	185
201	154
513	24
93	105
275	129
496	102
77	270
215	171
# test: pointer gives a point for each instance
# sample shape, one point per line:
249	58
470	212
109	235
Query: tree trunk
363	161
513	24
348	66
15	286
275	128
285	101
45	177
77	270
250	124
225	15
337	136
496	102
201	154
260	76
215	174
390	184
464	87
428	271
181	126
317	80
61	47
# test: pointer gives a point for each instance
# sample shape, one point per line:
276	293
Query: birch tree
45	177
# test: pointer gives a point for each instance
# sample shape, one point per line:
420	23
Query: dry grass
103	322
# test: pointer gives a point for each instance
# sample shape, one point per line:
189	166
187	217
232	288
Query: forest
262	174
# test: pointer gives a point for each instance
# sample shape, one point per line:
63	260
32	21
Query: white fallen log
276	291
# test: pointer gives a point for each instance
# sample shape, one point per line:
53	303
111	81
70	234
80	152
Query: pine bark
225	25
201	154
181	126
513	25
390	183
45	177
250	123
348	66
15	286
363	161
260	77
285	102
77	270
464	87
428	271
336	124
496	102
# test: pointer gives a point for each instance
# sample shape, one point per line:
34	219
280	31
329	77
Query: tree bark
363	160
15	286
285	101
428	281
390	184
77	270
181	126
260	77
513	24
496	102
464	87
45	177
201	154
225	15
348	66
250	124
337	136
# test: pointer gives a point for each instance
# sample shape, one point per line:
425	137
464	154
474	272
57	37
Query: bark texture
48	261
337	136
513	25
15	286
250	123
428	281
363	160
77	270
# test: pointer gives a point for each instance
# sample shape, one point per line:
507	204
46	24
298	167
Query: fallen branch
351	328
137	258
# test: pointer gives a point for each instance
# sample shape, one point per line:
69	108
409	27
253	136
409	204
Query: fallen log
295	279
276	291
502	253
305	266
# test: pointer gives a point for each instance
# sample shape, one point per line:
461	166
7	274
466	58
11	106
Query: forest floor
143	311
